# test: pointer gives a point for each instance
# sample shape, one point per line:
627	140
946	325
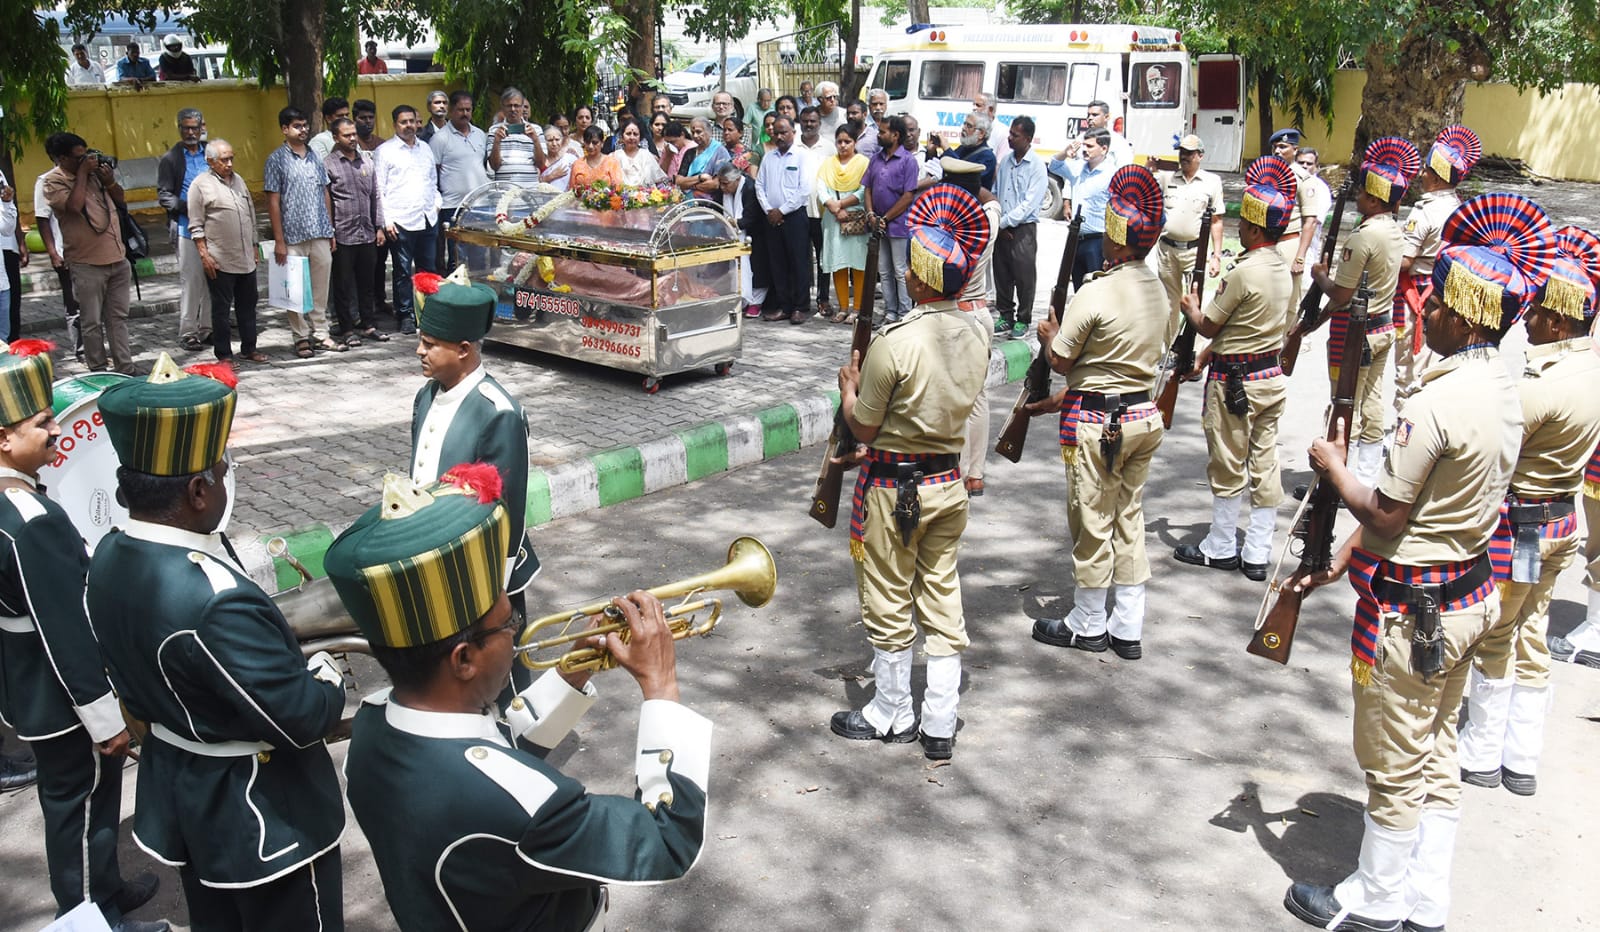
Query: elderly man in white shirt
408	187
782	189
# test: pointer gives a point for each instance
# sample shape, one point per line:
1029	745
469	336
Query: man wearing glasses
828	108
235	783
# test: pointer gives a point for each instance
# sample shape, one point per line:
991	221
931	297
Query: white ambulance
1053	72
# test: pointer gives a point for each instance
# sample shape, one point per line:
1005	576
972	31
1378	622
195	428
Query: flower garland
509	227
601	195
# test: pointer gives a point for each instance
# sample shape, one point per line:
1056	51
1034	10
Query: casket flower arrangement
603	196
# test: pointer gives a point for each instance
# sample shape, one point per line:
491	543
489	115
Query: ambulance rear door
1219	114
1157	93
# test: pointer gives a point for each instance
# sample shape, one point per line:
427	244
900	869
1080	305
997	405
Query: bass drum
83	477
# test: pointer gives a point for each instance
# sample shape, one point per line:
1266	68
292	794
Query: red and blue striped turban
1498	251
948	233
1575	275
1454	152
1387	168
1270	190
1136	211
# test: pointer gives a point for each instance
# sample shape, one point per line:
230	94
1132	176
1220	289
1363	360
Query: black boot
17	772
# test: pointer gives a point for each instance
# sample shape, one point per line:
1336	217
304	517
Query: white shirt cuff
102	718
547	710
671	737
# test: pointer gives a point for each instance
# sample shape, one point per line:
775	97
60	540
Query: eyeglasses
830	96
515	626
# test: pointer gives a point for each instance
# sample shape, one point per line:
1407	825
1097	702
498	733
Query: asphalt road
1182	791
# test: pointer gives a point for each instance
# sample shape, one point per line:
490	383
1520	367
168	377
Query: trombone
749	572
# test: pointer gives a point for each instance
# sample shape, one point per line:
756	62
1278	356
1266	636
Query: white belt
208	748
22	625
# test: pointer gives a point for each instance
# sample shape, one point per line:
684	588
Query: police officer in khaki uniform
909	401
1538	533
1453	155
974	300
1187	193
1426	597
1582	644
1245	390
1301	230
1372	254
1108	345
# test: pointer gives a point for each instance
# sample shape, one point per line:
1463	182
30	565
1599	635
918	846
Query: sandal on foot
302	348
848	319
192	344
257	356
373	333
352	340
332	346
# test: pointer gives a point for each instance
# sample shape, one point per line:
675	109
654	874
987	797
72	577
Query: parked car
690	89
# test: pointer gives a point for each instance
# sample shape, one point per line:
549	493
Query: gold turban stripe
1564	296
1441	166
927	266
1116	227
1378	186
1476	299
1253	209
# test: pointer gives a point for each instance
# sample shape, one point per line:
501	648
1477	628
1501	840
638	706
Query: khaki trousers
1105	510
1288	248
102	292
194	304
1591	543
894	578
313	325
975	451
1369	416
1173	266
1405	728
1244	448
1519	639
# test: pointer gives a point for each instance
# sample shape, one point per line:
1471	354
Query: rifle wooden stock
1180	356
830	479
1311	303
1274	635
1036	384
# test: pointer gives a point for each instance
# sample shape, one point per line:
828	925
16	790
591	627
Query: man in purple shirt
891	182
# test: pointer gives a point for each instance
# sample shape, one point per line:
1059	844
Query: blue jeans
411	248
893	258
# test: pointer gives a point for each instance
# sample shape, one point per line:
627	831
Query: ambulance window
1032	83
1156	84
894	77
950	80
1083	87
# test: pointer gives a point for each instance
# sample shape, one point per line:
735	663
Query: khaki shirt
92	236
1451	458
1560	418
1115	331
221	214
1423	225
921	378
1373	248
978	284
1187	199
1249	304
1305	201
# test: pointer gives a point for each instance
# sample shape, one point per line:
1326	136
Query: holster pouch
1525	559
1111	437
1366	350
907	504
1427	641
1233	396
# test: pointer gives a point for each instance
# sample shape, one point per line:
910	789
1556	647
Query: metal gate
812	54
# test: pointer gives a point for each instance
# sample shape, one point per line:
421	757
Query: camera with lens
110	161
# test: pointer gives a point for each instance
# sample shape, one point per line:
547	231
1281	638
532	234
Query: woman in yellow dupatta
839	192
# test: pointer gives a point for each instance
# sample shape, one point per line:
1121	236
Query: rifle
842	443
1311	304
1313	525
1180	357
1036	384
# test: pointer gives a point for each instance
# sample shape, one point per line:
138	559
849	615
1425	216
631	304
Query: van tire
1052	200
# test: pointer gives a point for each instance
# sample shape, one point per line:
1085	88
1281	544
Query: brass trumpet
749	573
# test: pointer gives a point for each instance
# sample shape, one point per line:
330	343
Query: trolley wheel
651	385
724	368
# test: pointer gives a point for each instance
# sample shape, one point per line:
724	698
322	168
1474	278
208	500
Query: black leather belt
1258	364
1097	401
1086	235
944	462
1521	513
1376	321
1175	244
1400	593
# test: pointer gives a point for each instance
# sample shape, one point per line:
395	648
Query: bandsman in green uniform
470	831
1187	193
53	689
1450	159
1538	533
1109	343
1245	391
462	415
1426	598
909	402
1372	253
236	788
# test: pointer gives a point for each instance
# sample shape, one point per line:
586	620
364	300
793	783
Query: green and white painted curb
625	473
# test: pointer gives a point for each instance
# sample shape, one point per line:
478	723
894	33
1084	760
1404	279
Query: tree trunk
918	11
847	66
641	14
1418	91
304	24
722	63
1266	77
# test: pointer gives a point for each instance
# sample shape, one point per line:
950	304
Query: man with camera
86	200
